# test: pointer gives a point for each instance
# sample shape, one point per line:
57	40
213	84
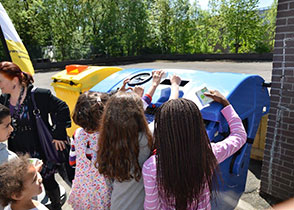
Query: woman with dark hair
182	172
16	87
124	145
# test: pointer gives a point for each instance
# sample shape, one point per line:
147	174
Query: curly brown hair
12	178
89	109
122	121
11	70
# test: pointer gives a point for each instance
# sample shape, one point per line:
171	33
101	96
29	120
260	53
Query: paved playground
250	199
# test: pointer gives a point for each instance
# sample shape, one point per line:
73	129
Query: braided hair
185	161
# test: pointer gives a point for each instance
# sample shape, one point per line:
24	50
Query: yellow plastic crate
76	79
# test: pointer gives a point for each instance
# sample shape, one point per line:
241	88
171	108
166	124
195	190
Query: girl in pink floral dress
90	189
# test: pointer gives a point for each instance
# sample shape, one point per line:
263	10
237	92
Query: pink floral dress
90	190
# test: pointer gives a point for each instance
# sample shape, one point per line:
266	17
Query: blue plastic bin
246	93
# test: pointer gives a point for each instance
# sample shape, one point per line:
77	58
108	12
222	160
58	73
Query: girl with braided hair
182	173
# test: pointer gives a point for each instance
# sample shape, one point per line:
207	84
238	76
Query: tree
241	20
181	26
76	29
106	27
207	36
29	18
265	42
134	25
160	27
65	28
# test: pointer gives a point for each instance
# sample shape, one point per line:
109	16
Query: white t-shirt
39	207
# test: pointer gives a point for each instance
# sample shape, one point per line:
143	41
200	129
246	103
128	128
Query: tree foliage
77	29
29	17
241	20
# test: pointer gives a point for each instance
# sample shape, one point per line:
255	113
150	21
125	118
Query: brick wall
277	176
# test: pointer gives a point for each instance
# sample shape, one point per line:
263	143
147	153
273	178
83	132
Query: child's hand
123	87
156	75
218	97
175	85
139	90
175	79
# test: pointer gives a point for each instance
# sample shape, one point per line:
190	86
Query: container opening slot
167	82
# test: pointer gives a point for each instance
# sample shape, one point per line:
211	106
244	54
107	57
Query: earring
14	86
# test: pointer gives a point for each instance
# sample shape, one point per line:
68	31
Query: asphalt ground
250	200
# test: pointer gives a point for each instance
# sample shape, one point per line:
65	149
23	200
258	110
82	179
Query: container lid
85	75
75	69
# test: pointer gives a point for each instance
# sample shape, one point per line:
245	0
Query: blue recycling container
246	92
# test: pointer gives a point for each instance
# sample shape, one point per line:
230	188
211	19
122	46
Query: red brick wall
277	176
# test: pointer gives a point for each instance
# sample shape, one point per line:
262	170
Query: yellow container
76	79
257	149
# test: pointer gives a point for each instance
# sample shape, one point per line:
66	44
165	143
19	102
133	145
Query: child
5	131
19	182
90	190
124	144
181	173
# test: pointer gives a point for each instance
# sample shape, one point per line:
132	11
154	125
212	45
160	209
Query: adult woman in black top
16	89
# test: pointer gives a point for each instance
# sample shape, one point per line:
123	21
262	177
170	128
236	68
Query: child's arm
147	98
235	140
123	87
156	77
139	90
175	83
237	137
72	152
150	186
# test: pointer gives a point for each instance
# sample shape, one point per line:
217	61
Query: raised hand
139	90
156	77
175	79
218	97
123	87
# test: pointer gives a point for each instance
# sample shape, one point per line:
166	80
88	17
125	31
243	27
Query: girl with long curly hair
181	174
124	145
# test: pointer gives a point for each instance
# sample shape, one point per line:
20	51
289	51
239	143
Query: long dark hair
11	70
185	161
122	121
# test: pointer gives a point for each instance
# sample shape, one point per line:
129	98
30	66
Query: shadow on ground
255	167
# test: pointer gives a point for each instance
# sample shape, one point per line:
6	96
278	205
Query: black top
26	137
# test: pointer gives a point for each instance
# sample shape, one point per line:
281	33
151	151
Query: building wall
277	177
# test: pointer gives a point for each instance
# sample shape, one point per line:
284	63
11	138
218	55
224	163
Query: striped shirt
72	152
221	150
